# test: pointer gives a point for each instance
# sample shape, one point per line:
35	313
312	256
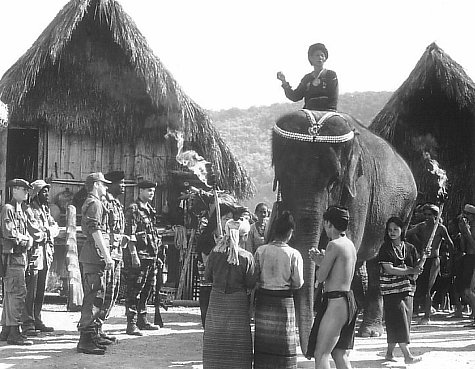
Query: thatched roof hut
434	111
3	115
92	76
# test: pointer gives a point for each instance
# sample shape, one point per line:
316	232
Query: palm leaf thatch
91	72
3	115
433	111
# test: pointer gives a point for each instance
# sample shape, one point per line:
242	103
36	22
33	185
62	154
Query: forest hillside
248	132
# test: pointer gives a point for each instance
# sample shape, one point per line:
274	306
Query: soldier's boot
16	338
4	333
101	334
132	328
144	324
86	345
99	340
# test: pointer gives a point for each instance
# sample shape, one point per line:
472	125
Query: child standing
256	234
398	260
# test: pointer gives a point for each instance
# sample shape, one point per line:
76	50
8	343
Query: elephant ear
354	168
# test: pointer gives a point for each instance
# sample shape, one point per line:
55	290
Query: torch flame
435	169
191	159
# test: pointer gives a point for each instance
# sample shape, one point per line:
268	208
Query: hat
18	182
315	47
38	185
146	184
96	177
115	176
469	209
432	207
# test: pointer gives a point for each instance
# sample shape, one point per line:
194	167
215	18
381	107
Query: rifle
161	299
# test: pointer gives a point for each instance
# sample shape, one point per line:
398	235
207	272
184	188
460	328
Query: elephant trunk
307	235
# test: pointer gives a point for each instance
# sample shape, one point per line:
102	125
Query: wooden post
186	266
75	293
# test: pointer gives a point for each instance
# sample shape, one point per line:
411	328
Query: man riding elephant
323	159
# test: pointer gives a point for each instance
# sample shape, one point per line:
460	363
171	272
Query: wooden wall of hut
74	157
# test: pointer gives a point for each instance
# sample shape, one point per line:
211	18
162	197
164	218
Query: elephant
329	158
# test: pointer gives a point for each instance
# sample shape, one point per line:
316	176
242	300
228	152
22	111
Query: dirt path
446	343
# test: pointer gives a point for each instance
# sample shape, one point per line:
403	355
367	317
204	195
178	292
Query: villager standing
204	245
95	260
422	233
319	89
141	258
398	260
227	341
40	257
256	234
280	270
333	331
467	230
117	241
19	230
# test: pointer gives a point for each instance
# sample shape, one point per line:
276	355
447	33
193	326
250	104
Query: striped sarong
397	317
227	341
275	342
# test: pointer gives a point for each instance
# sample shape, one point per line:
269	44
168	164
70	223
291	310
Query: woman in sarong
205	243
227	341
398	260
280	269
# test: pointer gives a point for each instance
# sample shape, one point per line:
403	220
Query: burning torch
441	175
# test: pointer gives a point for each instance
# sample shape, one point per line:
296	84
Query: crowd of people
248	274
243	272
115	238
245	277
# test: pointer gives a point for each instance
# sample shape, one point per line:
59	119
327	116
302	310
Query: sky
226	54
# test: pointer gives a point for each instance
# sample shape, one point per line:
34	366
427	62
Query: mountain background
248	134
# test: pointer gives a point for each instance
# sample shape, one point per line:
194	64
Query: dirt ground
445	343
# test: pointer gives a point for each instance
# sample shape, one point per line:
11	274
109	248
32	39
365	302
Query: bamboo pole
428	247
75	292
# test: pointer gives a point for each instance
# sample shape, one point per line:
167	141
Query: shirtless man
467	230
421	233
333	329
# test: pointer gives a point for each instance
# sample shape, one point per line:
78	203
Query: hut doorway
22	154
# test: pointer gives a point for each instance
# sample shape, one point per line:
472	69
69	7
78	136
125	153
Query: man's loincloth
347	333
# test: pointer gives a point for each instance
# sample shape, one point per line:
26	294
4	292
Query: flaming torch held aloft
436	170
202	169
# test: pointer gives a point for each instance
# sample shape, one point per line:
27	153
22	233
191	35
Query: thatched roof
434	111
3	115
92	72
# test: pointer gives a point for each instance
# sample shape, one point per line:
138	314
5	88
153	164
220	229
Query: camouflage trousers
140	286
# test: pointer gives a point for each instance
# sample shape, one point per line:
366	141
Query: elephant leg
372	324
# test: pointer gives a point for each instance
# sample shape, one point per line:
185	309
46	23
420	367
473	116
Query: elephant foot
370	331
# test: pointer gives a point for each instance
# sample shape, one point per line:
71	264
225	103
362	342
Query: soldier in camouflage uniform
117	241
19	229
141	258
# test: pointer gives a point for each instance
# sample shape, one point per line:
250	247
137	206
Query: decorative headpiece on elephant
329	158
